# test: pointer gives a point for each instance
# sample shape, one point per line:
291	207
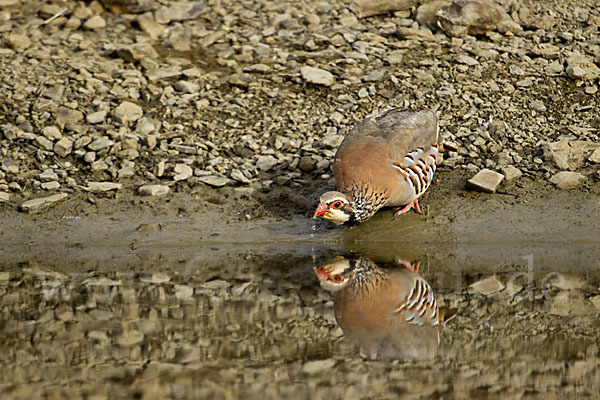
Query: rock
18	42
153	190
487	286
180	11
53	185
214	180
96	22
63	147
426	13
474	17
569	154
96	117
394	57
485	181
317	76
136	52
100	143
567	180
103	186
182	172
51	132
48	175
546	22
313	367
44	143
307	164
537	105
151	27
128	112
511	172
464	59
187	87
265	163
595	156
42	202
368	8
4	197
239	176
415	34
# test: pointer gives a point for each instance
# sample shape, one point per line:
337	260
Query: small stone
96	117
48	175
569	302
313	367
187	87
63	147
100	143
44	143
487	286
128	112
317	76
18	41
394	57
136	52
42	202
595	156
214	180
485	181
126	172
511	172
153	190
537	105
470	61
4	197
373	76
567	180
51	132
265	163
52	185
368	8
151	27
157	278
237	175
103	186
307	164
182	172
96	22
180	11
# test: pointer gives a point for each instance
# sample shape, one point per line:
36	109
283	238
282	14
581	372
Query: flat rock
317	76
18	41
474	17
96	22
153	190
511	172
567	180
4	197
487	286
180	11
96	117
265	163
569	154
103	186
595	156
368	8
485	181
63	147
127	112
130	338
42	202
569	302
214	180
137	51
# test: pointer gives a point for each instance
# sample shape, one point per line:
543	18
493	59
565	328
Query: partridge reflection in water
391	313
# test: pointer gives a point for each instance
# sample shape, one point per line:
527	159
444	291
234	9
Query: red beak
321	210
321	274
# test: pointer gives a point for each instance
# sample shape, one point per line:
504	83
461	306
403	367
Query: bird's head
335	207
334	274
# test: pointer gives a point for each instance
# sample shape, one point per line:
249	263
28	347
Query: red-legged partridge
388	160
390	313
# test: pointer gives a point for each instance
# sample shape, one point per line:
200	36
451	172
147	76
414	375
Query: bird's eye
337	278
337	204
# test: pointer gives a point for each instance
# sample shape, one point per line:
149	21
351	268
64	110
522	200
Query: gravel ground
215	123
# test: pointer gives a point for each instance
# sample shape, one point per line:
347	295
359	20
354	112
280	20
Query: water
183	310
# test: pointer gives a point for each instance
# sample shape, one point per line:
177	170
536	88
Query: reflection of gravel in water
245	335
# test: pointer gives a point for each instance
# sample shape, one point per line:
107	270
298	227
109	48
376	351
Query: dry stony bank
115	95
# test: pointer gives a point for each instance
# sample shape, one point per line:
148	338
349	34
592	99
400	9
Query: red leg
414	267
413	204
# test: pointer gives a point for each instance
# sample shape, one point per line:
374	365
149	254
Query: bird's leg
414	267
413	204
